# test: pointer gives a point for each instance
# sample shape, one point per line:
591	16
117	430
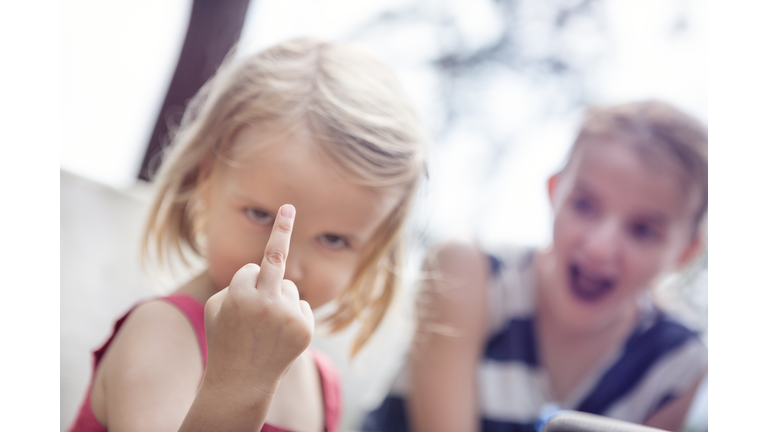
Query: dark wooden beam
214	27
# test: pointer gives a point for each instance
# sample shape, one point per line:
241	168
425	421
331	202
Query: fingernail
287	211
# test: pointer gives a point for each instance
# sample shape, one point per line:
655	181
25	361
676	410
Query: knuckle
305	339
249	268
283	226
210	307
275	257
213	305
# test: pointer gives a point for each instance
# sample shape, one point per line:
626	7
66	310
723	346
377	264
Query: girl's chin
584	322
578	315
594	317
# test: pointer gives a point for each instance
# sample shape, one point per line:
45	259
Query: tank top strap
331	382
195	313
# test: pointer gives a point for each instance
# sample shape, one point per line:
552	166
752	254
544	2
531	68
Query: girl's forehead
282	141
265	137
632	174
274	168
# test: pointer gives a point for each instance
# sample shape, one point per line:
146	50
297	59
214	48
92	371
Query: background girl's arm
672	416
448	343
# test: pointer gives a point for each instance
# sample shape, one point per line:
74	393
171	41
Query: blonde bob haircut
354	109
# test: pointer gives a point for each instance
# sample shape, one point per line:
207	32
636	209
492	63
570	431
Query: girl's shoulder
664	330
664	335
453	252
160	318
511	283
153	356
153	321
488	284
494	258
509	257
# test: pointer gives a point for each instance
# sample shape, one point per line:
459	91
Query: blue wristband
545	415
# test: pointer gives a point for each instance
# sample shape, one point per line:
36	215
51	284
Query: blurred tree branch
459	65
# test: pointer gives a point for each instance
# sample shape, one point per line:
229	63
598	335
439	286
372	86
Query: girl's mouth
588	288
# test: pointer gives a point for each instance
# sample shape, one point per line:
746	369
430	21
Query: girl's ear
691	251
551	186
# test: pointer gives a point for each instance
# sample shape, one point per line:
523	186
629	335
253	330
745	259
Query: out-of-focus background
500	84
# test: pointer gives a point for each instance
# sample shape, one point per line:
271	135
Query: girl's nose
602	242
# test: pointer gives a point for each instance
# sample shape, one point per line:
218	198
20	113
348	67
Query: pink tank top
194	311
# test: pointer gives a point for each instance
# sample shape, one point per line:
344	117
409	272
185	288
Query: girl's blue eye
259	217
643	231
334	242
583	206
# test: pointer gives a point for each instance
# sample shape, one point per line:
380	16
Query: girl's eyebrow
251	201
582	187
655	218
352	238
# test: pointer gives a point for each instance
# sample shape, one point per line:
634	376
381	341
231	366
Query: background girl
322	127
504	332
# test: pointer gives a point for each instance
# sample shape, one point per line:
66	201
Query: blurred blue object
547	412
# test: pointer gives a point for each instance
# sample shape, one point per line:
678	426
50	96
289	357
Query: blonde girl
303	159
573	324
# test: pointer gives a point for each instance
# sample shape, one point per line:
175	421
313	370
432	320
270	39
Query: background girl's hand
257	326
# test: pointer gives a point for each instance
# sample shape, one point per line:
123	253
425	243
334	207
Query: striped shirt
660	360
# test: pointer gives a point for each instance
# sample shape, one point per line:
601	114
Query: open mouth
588	288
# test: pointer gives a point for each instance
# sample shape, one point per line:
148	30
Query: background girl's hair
656	129
357	113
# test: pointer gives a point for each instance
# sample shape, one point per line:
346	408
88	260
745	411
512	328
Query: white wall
100	275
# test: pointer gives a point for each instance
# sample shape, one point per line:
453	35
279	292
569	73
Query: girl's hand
255	329
257	326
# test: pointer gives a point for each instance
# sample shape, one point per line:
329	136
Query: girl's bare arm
148	378
449	340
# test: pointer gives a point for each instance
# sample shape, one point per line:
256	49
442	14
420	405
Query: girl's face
619	224
335	219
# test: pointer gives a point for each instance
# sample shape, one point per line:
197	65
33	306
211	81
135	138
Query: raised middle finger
276	251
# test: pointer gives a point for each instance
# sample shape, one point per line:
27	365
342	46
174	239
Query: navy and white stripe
658	362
